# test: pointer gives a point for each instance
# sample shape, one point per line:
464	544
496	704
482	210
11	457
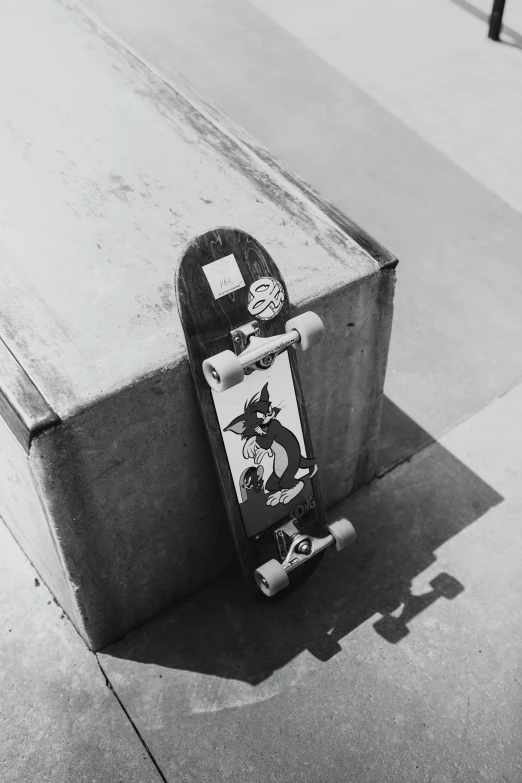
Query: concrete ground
400	659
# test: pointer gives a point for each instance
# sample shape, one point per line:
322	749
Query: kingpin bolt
304	548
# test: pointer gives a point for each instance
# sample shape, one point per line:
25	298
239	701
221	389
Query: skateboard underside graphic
257	471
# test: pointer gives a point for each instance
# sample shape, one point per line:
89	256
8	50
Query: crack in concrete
148	751
464	737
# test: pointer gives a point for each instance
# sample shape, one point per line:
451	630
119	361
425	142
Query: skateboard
242	343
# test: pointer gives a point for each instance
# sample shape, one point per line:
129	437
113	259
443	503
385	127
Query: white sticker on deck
224	276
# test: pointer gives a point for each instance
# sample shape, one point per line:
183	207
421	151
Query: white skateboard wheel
310	328
223	371
271	577
343	532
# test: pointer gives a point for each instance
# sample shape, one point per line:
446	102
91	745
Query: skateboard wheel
271	577
223	371
310	328
343	532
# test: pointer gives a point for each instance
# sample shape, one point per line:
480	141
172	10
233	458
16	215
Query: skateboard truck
272	577
226	369
245	337
242	335
300	547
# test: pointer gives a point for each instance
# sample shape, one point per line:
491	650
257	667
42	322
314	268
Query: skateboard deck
234	307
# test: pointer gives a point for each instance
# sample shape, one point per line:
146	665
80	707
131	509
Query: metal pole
495	20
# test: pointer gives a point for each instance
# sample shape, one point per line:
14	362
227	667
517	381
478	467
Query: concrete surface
398	661
59	722
435	46
117	172
409	119
106	173
402	662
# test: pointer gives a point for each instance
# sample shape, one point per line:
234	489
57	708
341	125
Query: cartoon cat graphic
264	434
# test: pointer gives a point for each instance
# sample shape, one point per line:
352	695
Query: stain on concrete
166	291
120	187
24	144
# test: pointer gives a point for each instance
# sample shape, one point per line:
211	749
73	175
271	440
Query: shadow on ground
399	439
401	519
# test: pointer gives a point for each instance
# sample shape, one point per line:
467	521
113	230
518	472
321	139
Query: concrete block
106	172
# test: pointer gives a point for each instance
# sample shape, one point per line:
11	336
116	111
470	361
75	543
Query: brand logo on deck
300	510
224	276
266	297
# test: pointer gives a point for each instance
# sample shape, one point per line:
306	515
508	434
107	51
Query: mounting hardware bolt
304	548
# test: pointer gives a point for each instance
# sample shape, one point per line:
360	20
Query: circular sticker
266	297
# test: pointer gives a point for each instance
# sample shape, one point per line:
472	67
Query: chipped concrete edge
22	406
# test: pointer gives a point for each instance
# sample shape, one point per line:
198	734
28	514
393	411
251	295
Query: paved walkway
401	662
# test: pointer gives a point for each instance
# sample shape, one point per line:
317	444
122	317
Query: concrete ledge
21	404
117	505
